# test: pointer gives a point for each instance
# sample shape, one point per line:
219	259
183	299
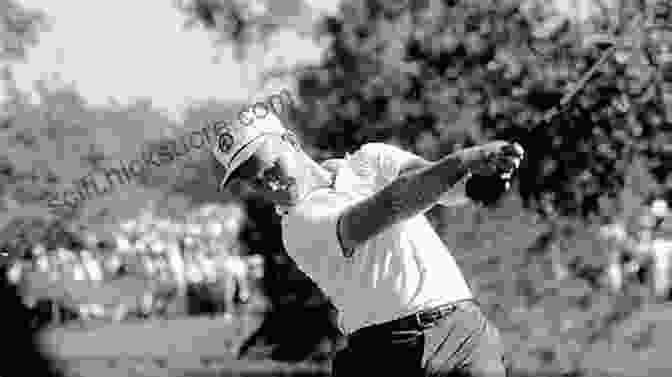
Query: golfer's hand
497	158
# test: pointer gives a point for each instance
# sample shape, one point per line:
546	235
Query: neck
316	177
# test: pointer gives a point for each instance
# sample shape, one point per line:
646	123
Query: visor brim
245	153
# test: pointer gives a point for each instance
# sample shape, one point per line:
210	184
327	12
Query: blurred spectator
233	284
644	255
15	271
111	266
176	274
92	267
38	250
661	249
614	235
638	256
196	259
662	254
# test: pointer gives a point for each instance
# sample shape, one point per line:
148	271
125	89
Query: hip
464	338
355	316
413	324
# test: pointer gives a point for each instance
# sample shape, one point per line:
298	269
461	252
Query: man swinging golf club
356	227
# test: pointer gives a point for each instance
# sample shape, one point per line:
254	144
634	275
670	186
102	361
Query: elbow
402	199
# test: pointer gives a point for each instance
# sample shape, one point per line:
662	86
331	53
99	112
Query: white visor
237	142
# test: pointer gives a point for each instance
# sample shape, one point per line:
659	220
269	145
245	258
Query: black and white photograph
336	188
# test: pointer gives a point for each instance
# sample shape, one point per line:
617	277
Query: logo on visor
225	142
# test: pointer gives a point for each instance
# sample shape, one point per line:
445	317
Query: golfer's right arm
408	195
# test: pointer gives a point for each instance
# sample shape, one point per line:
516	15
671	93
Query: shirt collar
283	210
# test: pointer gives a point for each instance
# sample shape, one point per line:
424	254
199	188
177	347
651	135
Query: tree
433	74
245	24
21	28
20	31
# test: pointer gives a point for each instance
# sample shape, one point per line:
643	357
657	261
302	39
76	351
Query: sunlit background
123	50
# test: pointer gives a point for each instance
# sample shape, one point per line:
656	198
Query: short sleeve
389	159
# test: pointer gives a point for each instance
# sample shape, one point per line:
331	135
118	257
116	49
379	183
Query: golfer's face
271	173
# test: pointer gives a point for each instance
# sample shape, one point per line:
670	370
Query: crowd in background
152	266
167	267
197	265
640	250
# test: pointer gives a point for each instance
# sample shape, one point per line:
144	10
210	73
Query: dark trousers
465	343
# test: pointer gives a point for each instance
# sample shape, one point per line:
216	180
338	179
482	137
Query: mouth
278	186
282	185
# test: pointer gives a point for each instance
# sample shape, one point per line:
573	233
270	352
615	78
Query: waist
417	321
368	307
372	307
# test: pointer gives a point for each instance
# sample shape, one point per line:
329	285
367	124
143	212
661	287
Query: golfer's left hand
497	158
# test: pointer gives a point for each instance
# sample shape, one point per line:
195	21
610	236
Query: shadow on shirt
301	325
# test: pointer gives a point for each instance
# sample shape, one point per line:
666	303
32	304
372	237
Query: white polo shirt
404	269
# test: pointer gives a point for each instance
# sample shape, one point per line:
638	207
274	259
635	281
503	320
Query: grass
553	328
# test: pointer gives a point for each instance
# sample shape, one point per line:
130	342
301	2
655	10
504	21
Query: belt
419	321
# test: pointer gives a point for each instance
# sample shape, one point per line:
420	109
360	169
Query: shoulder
378	154
390	160
365	160
317	206
312	225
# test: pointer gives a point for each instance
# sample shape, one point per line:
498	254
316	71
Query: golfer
356	227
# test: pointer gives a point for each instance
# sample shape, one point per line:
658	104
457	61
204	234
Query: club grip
486	190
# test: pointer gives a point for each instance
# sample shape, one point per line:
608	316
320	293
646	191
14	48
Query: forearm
407	196
456	196
412	194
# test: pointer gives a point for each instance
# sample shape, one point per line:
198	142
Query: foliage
550	302
433	75
408	73
21	27
178	255
430	75
50	145
244	24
